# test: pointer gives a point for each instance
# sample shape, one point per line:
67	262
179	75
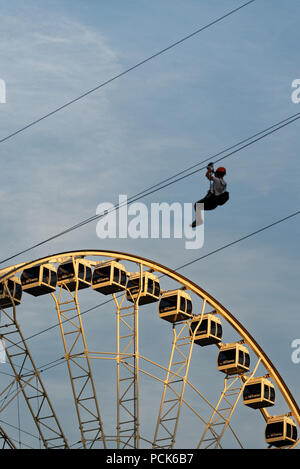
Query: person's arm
209	174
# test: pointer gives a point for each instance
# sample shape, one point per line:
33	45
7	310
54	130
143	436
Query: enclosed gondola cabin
175	305
281	431
10	292
109	277
148	292
74	274
259	393
206	331
233	359
39	280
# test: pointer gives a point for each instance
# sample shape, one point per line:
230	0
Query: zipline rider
217	194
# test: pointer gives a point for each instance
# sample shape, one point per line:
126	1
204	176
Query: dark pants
210	202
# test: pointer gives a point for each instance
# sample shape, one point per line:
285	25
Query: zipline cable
157	187
240	239
139	64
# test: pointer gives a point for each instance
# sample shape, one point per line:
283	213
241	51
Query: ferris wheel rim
190	285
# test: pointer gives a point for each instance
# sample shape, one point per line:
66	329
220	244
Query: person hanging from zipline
217	194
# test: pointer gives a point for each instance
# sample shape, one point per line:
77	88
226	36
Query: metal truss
79	368
175	383
29	382
174	387
5	441
128	419
222	414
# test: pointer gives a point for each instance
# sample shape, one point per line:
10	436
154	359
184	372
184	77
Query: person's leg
198	209
209	202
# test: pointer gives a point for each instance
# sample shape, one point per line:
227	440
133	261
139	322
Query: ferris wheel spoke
79	367
174	387
128	419
18	356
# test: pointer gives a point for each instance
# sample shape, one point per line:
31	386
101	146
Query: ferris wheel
159	363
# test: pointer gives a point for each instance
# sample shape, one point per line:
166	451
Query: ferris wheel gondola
145	288
259	393
175	305
281	431
233	359
39	280
10	292
206	330
109	277
74	274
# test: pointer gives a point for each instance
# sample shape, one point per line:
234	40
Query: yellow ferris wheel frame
152	266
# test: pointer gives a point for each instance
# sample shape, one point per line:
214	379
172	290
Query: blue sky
215	89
